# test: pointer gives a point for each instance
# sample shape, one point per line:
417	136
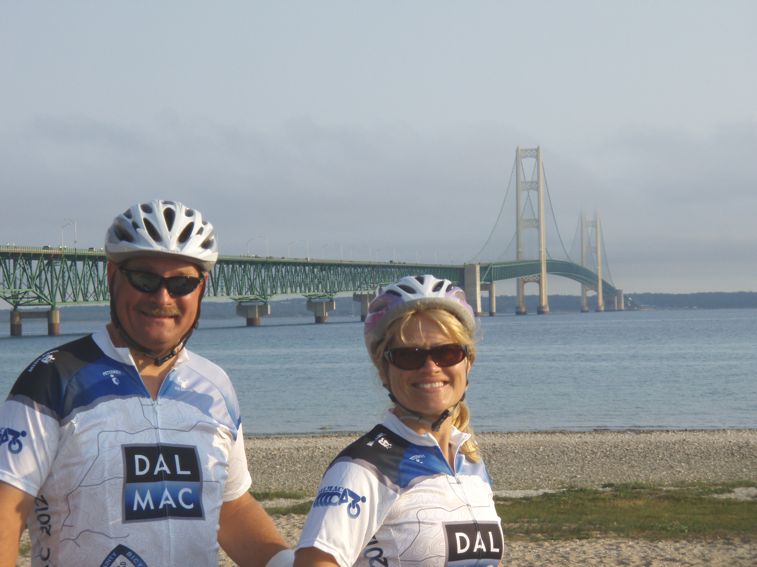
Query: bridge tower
530	220
591	248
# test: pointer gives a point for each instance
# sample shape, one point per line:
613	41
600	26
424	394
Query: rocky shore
518	461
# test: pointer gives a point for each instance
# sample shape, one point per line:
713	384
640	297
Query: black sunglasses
413	358
147	282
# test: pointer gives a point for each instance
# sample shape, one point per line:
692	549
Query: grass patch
276	494
630	511
302	508
297	507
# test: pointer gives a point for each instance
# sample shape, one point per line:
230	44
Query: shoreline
538	460
355	434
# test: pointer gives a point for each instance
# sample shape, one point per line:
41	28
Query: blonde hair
455	330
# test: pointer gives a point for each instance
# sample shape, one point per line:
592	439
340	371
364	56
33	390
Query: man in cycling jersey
129	448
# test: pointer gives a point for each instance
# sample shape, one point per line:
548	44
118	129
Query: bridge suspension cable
477	256
554	219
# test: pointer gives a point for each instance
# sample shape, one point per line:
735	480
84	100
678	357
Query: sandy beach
522	462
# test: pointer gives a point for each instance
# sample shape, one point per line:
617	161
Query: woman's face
430	389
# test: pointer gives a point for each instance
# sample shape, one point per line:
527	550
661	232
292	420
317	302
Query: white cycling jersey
121	479
391	499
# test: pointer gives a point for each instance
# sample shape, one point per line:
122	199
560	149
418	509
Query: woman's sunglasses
147	282
411	358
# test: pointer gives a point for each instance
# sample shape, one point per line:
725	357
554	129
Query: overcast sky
386	129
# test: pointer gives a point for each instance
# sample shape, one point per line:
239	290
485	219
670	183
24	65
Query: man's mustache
161	311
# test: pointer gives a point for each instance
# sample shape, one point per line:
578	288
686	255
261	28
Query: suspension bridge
37	281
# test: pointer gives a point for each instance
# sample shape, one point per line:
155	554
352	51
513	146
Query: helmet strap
435	424
133	344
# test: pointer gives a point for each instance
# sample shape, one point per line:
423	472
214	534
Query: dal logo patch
162	481
474	541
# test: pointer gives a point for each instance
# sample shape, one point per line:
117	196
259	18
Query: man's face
155	320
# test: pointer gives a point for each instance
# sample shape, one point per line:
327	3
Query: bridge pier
520	304
320	308
620	301
253	311
52	316
16	327
53	322
491	289
542	308
472	286
584	299
364	298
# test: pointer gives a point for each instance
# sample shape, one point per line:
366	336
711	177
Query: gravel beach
518	461
522	462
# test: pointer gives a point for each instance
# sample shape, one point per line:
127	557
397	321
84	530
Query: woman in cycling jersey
414	490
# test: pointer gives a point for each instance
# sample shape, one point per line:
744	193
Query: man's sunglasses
411	358
147	282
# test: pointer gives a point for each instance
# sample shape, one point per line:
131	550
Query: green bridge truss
564	268
33	277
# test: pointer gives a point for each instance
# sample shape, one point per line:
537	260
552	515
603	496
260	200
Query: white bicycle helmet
397	298
162	228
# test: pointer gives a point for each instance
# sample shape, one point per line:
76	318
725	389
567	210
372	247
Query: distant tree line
702	300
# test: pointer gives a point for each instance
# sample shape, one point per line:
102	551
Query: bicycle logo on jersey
338	495
13	438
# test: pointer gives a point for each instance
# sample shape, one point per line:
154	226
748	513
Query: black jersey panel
44	380
394	458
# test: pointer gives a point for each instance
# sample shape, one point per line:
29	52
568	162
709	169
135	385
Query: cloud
387	191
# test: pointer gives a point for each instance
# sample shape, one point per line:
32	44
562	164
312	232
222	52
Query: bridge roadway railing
262	278
48	276
509	270
51	277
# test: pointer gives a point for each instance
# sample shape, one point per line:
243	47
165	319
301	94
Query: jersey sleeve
238	482
350	505
29	434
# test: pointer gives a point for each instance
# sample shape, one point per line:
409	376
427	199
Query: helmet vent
164	228
186	233
152	231
439	285
406	288
122	235
169	215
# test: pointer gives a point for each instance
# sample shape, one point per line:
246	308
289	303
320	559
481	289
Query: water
564	371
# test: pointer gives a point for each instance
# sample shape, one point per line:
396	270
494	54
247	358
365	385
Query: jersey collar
395	424
121	354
